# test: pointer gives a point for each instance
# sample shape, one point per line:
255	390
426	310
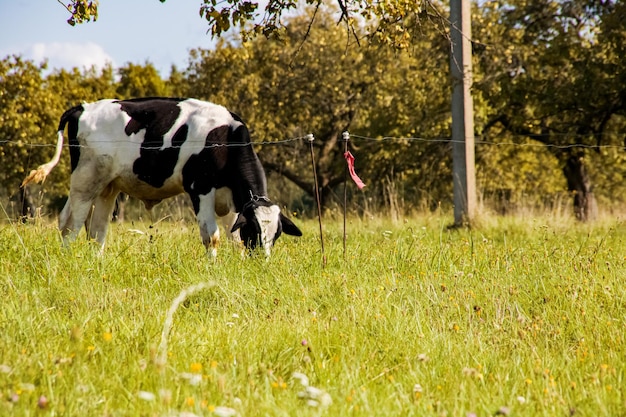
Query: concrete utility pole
464	173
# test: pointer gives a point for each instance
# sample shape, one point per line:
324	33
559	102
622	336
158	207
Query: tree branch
291	175
306	35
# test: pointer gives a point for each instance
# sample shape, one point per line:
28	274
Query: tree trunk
579	184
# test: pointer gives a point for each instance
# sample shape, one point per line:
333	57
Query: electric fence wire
536	143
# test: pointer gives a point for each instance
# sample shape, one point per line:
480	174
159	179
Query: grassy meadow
519	316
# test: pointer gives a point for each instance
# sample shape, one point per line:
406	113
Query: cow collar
254	201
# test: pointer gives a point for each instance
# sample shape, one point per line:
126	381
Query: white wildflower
315	397
194	379
146	395
304	380
224	411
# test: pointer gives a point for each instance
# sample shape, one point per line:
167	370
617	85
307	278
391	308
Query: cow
155	148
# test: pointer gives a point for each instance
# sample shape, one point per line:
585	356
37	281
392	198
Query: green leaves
392	22
141	81
82	11
223	15
30	107
23	114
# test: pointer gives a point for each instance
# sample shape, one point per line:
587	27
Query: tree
545	76
283	98
24	113
389	21
145	81
326	86
140	81
30	107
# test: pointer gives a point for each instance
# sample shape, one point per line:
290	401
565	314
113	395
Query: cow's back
144	145
101	131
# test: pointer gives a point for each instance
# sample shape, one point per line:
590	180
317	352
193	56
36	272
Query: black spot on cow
208	169
156	117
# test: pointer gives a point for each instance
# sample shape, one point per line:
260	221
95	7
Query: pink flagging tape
350	160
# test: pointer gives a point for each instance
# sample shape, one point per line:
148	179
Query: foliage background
547	86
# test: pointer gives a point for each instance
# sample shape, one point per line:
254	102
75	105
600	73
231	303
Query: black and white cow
155	148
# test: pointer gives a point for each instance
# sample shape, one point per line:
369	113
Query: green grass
525	316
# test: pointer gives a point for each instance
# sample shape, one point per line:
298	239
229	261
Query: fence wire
535	143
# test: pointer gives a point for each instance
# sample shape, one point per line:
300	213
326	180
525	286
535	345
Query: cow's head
261	223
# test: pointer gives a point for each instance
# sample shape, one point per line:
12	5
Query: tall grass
520	316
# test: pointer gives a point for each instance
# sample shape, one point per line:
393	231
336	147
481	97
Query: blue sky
126	31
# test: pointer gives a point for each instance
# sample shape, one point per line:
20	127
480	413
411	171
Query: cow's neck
251	188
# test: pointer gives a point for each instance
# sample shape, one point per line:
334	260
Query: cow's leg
86	184
97	222
73	216
207	221
224	208
64	221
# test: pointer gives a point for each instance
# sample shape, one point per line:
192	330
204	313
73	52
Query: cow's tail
39	175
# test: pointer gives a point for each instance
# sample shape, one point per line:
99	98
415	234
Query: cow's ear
288	227
241	220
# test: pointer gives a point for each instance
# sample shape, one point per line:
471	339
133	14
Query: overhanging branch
291	175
